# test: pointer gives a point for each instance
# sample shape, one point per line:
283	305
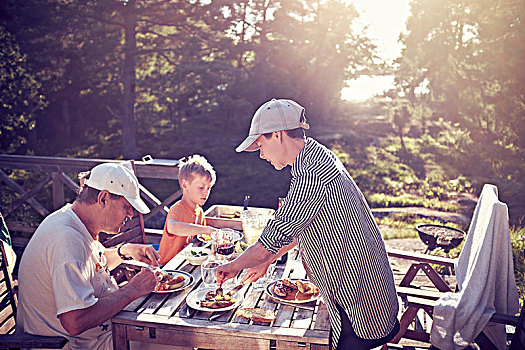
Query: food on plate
206	237
168	282
307	287
198	253
295	290
216	304
290	284
213	300
284	287
236	214
241	246
257	314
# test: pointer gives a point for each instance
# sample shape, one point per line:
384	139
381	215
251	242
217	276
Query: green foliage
403	225
462	62
517	235
21	97
112	71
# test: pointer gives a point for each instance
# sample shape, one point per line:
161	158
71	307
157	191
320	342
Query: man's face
197	189
117	210
271	150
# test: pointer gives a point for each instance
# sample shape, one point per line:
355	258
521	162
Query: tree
465	58
21	97
305	50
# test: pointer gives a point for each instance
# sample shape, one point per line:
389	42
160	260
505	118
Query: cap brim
138	204
248	144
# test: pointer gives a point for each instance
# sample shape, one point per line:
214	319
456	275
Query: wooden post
58	191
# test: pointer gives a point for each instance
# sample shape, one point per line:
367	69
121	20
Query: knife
217	315
233	292
190	312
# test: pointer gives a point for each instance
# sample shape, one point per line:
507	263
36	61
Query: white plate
194	298
237	236
269	291
194	260
188	280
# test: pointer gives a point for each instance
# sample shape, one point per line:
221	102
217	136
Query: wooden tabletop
166	318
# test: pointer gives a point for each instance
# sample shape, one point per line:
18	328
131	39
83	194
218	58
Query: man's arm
140	252
78	321
256	254
256	272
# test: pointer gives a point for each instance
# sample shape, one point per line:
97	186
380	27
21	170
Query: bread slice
257	314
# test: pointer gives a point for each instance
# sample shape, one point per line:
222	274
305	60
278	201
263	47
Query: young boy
186	217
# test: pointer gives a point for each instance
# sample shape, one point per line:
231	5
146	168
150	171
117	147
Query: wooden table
166	319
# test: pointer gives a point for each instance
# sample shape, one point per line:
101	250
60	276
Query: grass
402	225
382	200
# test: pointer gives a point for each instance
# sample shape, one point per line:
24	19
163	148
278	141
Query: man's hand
141	252
225	272
254	273
77	321
143	282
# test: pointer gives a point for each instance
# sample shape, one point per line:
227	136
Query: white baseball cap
274	115
117	179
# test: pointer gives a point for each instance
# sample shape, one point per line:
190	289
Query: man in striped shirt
326	215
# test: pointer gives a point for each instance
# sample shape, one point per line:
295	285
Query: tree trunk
128	78
66	119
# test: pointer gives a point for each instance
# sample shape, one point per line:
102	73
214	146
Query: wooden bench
10	337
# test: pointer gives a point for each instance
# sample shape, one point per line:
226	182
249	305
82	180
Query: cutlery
190	312
233	292
217	315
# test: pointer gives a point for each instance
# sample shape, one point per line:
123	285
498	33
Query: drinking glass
253	223
224	243
209	272
261	283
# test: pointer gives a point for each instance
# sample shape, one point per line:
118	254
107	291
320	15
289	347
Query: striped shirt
339	242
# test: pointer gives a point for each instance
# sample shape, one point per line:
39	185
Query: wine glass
224	243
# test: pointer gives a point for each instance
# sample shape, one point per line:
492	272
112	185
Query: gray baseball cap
274	115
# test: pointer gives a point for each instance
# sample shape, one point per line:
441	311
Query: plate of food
296	291
173	281
206	299
205	238
197	255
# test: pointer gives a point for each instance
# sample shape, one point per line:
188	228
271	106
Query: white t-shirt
62	269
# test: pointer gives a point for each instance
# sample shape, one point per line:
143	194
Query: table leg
120	341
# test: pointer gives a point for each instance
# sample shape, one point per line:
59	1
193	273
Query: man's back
60	253
341	244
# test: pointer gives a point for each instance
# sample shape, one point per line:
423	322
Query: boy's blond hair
196	165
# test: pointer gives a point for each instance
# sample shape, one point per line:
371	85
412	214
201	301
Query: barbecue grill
441	236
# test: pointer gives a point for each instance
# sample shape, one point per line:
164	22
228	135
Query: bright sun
385	21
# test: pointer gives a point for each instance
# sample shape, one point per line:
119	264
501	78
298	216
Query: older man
64	281
326	214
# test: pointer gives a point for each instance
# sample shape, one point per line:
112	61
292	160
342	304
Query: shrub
517	236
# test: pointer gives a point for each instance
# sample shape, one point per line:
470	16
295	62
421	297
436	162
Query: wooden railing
55	171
